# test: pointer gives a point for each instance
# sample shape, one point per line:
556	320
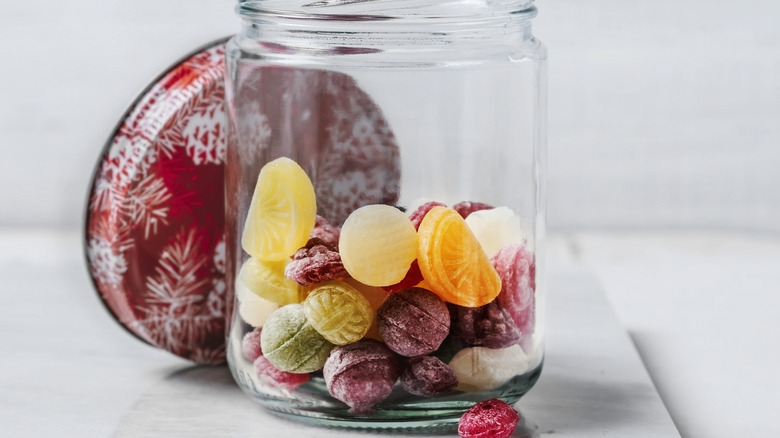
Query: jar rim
383	10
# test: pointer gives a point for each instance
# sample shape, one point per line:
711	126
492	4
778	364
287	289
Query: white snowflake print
206	138
219	256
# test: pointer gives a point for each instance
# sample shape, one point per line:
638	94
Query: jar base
400	412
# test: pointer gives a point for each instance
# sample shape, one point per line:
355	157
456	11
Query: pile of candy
440	299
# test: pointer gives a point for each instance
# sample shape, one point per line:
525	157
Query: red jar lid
154	235
155	230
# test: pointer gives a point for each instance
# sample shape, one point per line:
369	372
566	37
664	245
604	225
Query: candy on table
413	322
465	208
378	243
515	265
250	345
486	326
324	231
290	342
361	374
315	264
483	369
427	376
375	296
272	376
452	260
417	215
341	314
282	212
267	280
495	228
492	418
252	308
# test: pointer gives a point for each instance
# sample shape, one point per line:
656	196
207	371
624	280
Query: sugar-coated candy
452	260
465	208
274	377
375	296
517	270
427	376
495	228
483	369
290	342
252	308
315	265
281	213
417	215
267	280
250	345
492	418
486	326
341	314
378	243
324	231
413	322
361	374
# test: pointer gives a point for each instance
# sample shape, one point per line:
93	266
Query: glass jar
385	207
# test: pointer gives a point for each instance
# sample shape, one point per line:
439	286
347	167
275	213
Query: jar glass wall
385	207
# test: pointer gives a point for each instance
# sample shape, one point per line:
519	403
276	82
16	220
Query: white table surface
700	309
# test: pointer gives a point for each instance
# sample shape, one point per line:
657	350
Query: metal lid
154	236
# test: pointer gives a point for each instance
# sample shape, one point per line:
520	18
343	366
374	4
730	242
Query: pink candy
250	345
271	376
488	326
516	268
491	418
419	213
465	208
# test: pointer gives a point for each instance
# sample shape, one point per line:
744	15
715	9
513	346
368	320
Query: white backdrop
662	113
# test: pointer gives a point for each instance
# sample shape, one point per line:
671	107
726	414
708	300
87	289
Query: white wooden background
662	113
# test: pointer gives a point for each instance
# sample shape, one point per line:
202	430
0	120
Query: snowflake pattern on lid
155	221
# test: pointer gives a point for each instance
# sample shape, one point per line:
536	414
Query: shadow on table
202	401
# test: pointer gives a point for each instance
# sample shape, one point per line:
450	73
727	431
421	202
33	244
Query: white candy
495	228
254	310
483	369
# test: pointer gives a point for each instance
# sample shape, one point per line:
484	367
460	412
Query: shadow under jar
385	208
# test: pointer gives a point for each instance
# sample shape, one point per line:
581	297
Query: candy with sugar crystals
495	228
413	322
272	376
361	374
487	326
341	314
290	342
517	270
428	376
483	369
250	345
491	418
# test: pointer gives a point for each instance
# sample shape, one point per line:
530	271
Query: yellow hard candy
282	211
267	280
340	313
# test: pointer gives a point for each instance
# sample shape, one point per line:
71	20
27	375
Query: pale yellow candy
378	243
495	228
267	280
375	296
253	309
483	369
338	312
282	211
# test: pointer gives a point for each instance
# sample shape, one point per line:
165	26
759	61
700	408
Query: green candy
291	344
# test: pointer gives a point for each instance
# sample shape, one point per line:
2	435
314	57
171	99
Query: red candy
419	213
250	345
517	270
491	418
315	264
326	232
465	208
271	376
428	376
361	374
413	278
487	326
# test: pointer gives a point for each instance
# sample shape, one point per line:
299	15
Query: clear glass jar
385	207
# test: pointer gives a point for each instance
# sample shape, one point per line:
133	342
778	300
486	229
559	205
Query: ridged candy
290	342
341	314
484	369
267	280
